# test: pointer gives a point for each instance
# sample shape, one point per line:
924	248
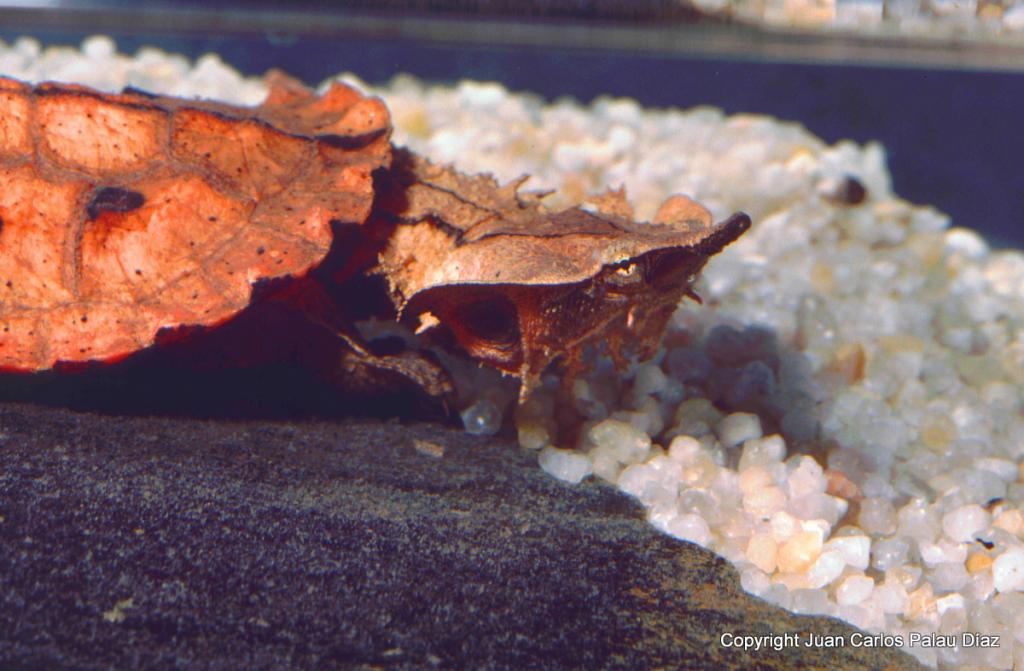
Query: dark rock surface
167	543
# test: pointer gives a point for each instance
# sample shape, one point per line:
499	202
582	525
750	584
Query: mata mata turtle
131	220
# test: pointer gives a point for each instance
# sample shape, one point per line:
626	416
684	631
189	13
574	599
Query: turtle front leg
356	364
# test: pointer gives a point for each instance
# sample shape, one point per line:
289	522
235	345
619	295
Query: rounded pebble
964	523
877	516
854	589
689	527
737	428
798	553
567	465
1008	570
483	418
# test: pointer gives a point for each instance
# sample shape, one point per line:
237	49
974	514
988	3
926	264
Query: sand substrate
841	418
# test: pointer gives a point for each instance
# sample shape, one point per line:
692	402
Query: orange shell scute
15	113
97	137
247	157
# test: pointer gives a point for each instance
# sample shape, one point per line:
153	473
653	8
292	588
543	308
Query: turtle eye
491	321
625	278
629	274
